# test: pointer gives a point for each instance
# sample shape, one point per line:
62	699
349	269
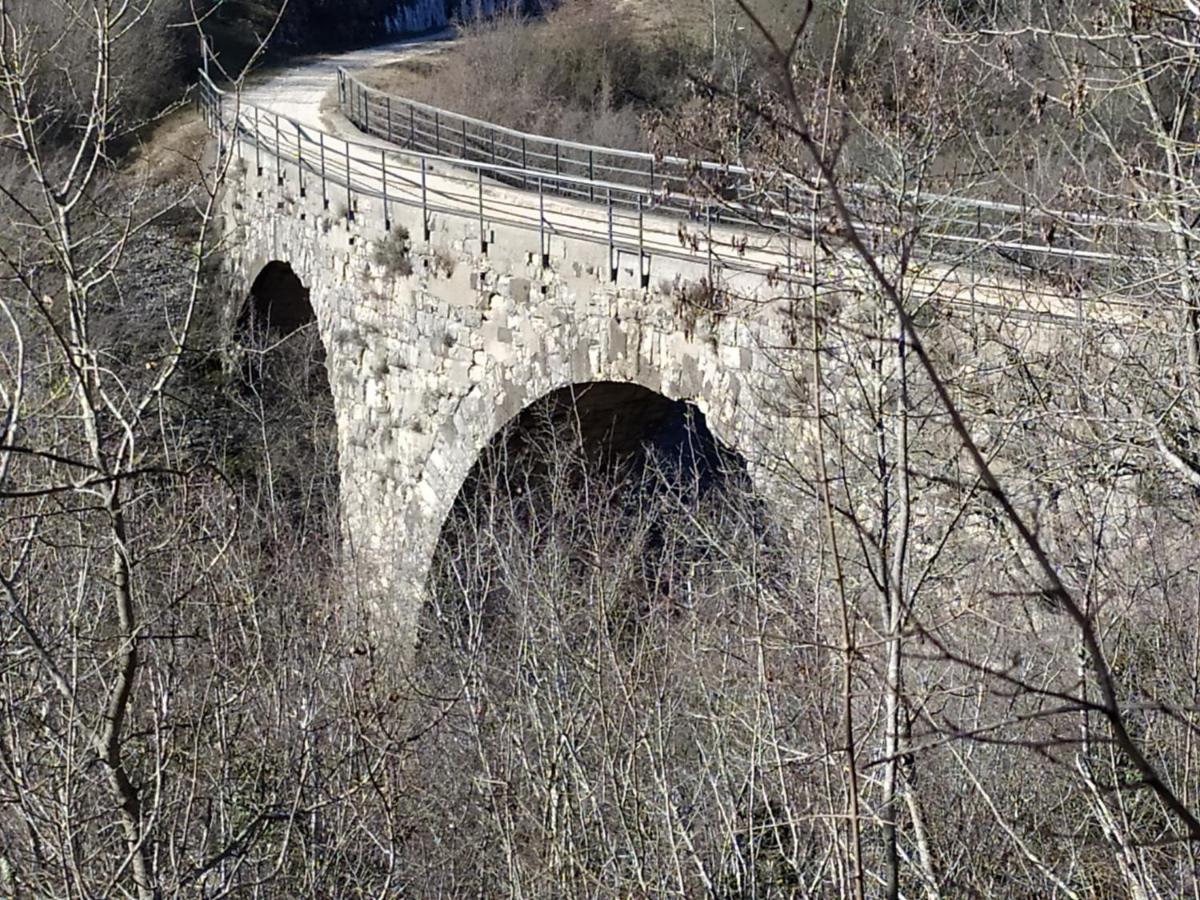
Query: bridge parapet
425	368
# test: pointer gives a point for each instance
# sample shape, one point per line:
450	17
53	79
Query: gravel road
299	90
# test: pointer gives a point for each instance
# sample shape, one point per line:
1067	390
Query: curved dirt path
300	91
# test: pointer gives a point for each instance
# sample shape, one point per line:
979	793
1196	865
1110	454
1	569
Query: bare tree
1097	691
166	729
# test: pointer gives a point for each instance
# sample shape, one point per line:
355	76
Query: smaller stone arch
278	301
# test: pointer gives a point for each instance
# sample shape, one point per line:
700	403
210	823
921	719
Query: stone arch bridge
458	272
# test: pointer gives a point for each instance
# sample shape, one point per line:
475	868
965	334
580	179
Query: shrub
585	72
147	65
394	253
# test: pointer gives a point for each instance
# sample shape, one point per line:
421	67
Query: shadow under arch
613	423
278	302
587	457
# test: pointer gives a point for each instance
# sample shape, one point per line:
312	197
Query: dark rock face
320	24
311	25
235	26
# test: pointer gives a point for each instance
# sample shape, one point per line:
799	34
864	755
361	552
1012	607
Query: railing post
493	136
557	158
278	163
612	249
542	225
349	194
387	218
437	133
643	275
591	175
787	219
424	201
464	139
220	126
652	177
412	126
482	237
708	233
525	165
366	105
324	184
257	144
237	135
300	160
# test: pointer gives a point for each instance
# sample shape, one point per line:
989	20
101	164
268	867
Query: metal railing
629	219
723	193
668	184
345	171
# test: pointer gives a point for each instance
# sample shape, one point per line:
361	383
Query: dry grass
169	149
408	76
589	70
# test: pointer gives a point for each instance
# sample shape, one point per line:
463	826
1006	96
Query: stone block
497	316
518	289
733	357
617	342
458	376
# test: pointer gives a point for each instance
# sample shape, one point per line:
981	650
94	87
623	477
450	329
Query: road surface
298	91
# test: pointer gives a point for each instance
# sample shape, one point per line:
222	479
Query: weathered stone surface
425	369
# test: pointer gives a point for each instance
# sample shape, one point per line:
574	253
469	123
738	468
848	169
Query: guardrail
343	171
734	194
728	236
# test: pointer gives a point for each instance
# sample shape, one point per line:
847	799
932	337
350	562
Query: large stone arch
656	356
451	466
424	394
610	447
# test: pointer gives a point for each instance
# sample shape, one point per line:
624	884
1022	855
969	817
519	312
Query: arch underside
278	301
605	429
610	420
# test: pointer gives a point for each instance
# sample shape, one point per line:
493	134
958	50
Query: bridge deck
644	207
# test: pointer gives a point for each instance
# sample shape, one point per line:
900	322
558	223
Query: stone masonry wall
425	369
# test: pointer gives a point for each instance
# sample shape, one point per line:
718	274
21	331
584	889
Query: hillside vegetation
55	45
953	654
587	71
984	95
